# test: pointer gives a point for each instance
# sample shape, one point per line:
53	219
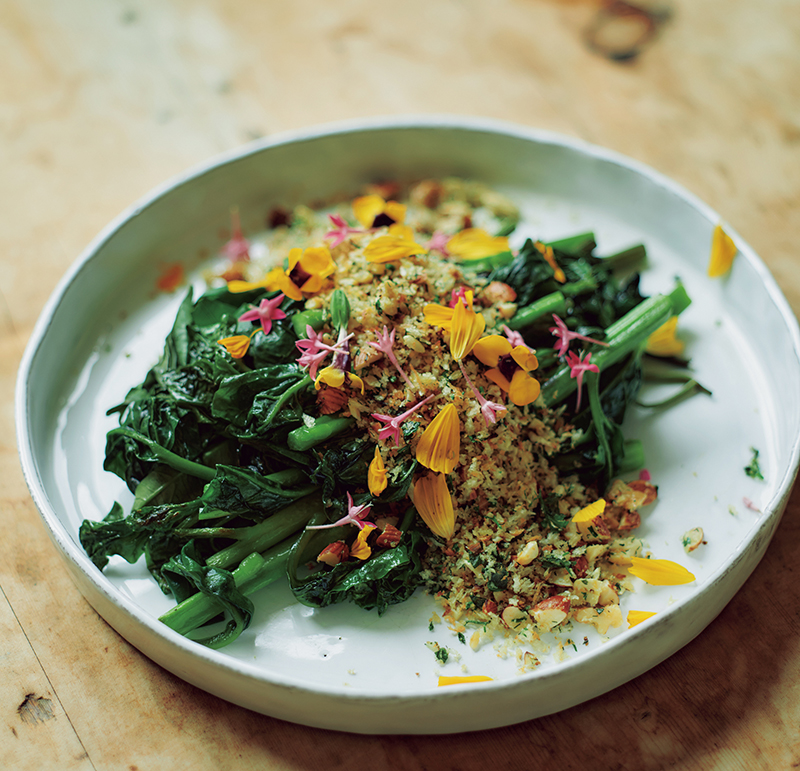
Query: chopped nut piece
334	553
692	539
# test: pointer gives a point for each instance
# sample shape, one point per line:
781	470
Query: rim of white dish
221	660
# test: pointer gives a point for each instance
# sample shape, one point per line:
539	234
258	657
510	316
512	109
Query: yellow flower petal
524	357
391	249
723	250
402	231
456	680
317	261
524	389
236	346
440	443
294	257
465	330
438	315
660	572
475	243
376	474
237	286
355	380
278	280
360	548
588	513
637	616
663	341
367	207
330	376
395	210
434	504
489	349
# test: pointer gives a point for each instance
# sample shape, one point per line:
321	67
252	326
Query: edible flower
590	512
659	572
376	474
475	243
237	345
399	243
438	243
392	427
355	516
458	679
314	350
336	374
440	443
513	337
489	409
550	259
462	294
466	327
663	341
307	271
341	232
373	212
238	248
637	616
434	504
511	366
723	250
385	344
578	367
360	548
267	311
442	315
566	335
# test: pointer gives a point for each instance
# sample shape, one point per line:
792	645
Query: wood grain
100	101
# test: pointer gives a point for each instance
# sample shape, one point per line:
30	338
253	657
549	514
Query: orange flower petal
360	548
524	389
440	443
465	330
588	513
376	474
637	616
434	504
489	349
498	378
660	572
550	258
236	346
456	680
525	357
723	250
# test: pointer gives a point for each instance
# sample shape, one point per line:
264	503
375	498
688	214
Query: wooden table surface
100	100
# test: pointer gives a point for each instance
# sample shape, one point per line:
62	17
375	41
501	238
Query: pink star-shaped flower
577	368
313	350
489	409
514	337
385	344
392	427
565	335
438	243
238	248
267	312
341	232
355	516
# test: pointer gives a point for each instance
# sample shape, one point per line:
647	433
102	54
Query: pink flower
438	243
565	335
392	427
238	248
267	312
514	337
355	516
313	350
644	475
460	294
489	409
341	232
577	368
385	345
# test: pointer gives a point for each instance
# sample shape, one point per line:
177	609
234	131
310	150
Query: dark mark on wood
35	709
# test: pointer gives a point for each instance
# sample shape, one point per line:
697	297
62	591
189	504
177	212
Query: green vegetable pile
229	460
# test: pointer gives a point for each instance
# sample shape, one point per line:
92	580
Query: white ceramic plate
341	667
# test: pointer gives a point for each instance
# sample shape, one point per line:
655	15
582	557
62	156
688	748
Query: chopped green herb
752	469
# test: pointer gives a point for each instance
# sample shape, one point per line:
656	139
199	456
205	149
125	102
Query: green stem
550	303
284	397
168	457
255	572
325	427
624	336
265	534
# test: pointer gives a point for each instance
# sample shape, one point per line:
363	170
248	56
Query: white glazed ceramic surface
341	667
